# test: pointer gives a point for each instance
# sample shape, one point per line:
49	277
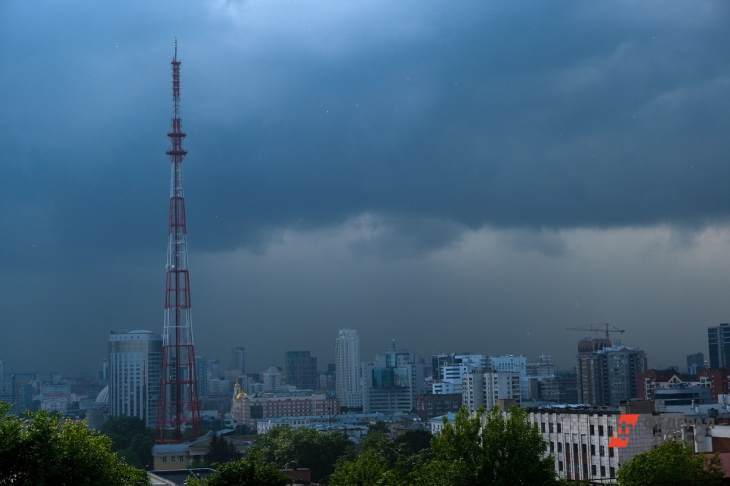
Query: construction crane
605	328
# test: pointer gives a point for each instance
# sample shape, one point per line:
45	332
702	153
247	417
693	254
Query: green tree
369	468
488	448
670	463
220	451
243	472
286	447
413	441
131	439
39	449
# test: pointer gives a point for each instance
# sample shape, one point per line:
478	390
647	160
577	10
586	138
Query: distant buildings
431	405
607	375
347	369
391	383
249	409
484	387
300	370
695	363
669	388
718	343
135	362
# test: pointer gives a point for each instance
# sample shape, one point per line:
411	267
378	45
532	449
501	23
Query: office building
390	383
695	363
587	392
135	362
271	379
718	344
300	370
347	370
237	364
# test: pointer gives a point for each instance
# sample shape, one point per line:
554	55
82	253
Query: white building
512	364
483	388
271	378
578	438
135	360
347	369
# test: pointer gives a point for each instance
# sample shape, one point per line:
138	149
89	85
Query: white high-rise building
347	369
483	388
135	362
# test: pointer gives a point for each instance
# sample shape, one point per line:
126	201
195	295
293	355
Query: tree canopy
670	463
131	439
286	447
243	472
40	449
484	448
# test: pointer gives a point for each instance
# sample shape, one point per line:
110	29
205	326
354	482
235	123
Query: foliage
131	439
413	441
286	447
220	451
492	448
44	450
670	463
243	472
370	467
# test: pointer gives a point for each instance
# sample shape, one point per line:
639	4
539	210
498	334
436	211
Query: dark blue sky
473	175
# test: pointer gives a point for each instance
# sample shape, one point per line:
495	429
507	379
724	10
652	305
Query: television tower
178	410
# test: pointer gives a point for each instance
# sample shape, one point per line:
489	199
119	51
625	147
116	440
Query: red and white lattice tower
178	411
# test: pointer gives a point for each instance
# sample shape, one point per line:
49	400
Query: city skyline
354	167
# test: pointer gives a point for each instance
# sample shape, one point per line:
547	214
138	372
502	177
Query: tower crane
605	328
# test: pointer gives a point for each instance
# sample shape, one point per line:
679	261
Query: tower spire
178	409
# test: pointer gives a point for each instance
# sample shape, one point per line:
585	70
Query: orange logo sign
626	424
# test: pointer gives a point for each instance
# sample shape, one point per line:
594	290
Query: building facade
347	370
607	375
300	370
390	383
135	362
718	345
484	388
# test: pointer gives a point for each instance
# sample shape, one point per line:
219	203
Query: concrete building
135	362
607	375
718	344
591	444
347	370
485	388
429	406
271	378
300	370
390	383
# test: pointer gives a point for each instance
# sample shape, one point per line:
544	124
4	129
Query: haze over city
475	178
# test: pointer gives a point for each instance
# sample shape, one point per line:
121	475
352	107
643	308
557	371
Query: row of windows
601	449
594	470
173	459
558	427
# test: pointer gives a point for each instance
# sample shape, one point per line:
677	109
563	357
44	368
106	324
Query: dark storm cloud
554	114
419	120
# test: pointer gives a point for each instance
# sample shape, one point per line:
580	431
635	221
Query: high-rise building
23	387
695	363
608	374
390	383
587	347
347	368
482	388
135	360
718	343
271	378
238	360
300	370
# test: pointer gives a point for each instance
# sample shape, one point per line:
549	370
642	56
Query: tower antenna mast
179	408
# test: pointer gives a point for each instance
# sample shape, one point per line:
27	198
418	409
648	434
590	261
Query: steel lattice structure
178	407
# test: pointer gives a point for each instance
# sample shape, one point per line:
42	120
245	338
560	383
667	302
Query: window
593	470
600	430
552	446
559	428
164	459
560	465
542	427
610	452
180	459
172	459
610	430
593	429
603	471
593	450
560	447
613	472
550	427
601	451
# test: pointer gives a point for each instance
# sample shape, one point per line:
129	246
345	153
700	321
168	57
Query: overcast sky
473	175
